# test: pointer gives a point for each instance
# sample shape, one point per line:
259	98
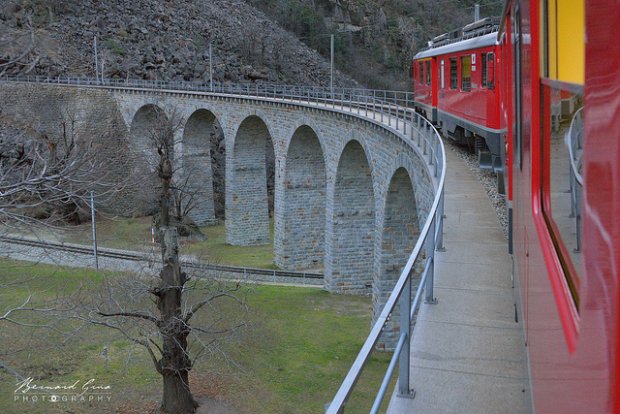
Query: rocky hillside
284	41
374	39
155	39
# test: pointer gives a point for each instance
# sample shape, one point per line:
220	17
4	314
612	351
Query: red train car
560	105
455	87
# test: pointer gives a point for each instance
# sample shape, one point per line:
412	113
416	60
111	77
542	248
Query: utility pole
211	66
96	60
102	67
476	12
94	222
331	66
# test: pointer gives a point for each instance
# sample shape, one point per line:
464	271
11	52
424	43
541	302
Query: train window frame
561	101
561	243
428	72
490	64
466	68
454	76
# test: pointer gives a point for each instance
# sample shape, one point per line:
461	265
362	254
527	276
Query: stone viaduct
351	193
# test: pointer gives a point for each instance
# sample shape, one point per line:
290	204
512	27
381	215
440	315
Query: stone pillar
247	211
351	225
196	175
300	238
398	238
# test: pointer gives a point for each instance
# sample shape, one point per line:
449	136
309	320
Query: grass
291	358
135	234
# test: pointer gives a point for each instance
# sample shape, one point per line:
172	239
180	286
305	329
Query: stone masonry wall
247	207
349	266
303	243
197	171
400	233
360	160
355	257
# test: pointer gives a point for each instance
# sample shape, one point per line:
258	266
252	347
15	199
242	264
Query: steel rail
139	257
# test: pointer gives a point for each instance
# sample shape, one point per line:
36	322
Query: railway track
141	257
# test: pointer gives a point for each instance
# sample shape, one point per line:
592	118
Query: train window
421	72
563	40
466	73
490	70
561	174
562	64
453	74
428	72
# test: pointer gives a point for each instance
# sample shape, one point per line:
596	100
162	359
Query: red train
455	87
557	90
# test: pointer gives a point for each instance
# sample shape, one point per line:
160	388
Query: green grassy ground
291	358
135	234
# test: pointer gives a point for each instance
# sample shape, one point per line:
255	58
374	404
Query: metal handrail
384	104
402	292
334	95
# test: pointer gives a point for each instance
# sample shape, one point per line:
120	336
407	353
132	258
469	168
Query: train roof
489	39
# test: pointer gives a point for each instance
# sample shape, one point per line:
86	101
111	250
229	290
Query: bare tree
165	329
46	176
48	168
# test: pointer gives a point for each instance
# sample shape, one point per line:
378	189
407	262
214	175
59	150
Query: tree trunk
175	362
177	397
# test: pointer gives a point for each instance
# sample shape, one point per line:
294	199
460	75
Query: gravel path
487	179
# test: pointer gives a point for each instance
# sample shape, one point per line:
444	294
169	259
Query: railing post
426	131
405	327
440	215
417	121
397	118
573	193
430	251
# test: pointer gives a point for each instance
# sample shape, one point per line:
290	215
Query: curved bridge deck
467	351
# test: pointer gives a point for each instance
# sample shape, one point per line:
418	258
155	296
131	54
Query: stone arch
203	164
349	262
249	182
401	228
301	246
148	123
